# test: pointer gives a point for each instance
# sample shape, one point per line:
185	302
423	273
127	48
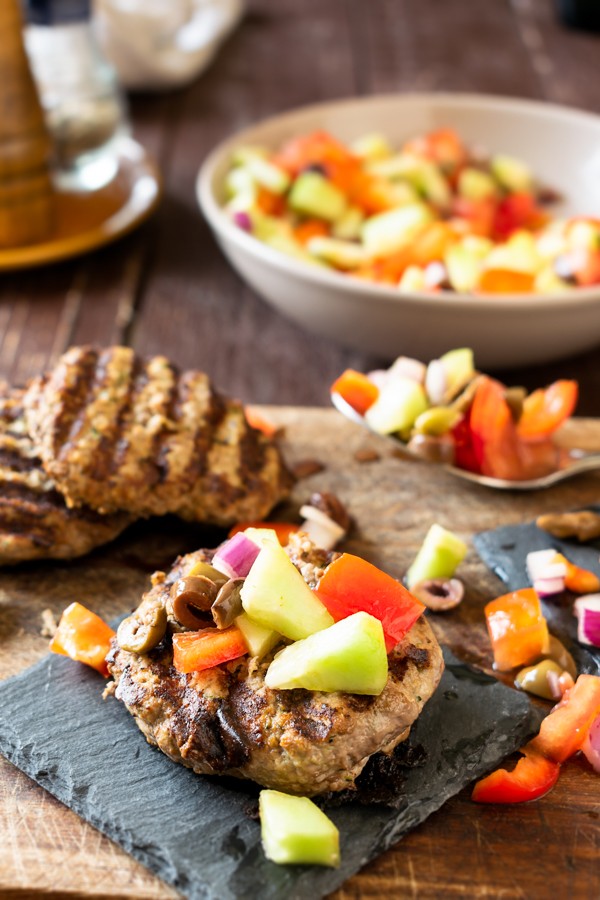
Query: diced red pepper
256	419
589	273
443	146
194	651
83	636
464	452
319	147
515	212
517	629
269	203
563	732
505	281
356	389
546	409
310	228
283	530
532	777
578	580
493	432
351	584
479	214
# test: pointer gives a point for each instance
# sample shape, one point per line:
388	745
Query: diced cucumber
347	227
276	596
518	254
513	174
265	227
242	155
473	184
349	656
399	403
262	536
439	556
295	831
434	186
341	254
259	639
371	147
313	195
420	173
269	176
413	279
390	231
463	267
548	282
240	181
460	368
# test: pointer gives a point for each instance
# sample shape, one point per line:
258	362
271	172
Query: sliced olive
228	604
436	421
515	397
535	680
559	654
432	449
439	594
191	600
208	571
144	629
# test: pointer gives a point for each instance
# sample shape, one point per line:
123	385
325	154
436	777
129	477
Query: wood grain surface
545	849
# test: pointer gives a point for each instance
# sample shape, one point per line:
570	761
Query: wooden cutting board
550	848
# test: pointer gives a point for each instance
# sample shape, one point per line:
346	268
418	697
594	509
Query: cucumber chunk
473	184
259	639
400	402
294	830
276	596
269	176
313	195
439	556
512	173
372	147
349	656
390	231
341	254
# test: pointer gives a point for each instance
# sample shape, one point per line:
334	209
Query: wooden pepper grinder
26	193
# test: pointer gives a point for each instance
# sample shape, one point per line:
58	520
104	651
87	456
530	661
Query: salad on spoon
447	412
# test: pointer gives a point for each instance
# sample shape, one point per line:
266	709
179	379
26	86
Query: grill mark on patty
204	436
113	450
75	394
13	461
172	413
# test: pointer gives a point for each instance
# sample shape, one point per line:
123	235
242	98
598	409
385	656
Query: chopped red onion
541	564
436	382
234	558
243	220
547	587
587	610
591	745
379	377
407	367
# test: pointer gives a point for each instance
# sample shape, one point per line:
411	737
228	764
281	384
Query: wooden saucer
85	221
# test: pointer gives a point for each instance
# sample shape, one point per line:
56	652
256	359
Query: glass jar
84	107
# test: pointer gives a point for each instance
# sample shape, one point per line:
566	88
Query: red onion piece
436	382
541	564
234	558
547	587
591	746
587	610
243	220
407	367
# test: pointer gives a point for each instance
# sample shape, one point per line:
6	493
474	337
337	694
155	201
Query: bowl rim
385	294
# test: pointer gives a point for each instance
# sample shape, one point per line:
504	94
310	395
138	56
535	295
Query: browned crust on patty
118	432
226	721
35	522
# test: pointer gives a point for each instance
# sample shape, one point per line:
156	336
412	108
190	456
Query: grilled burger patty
118	432
35	522
226	721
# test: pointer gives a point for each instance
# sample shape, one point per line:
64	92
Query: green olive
144	629
205	570
559	653
436	421
534	679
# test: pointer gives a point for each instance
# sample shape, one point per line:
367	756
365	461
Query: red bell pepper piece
194	651
356	389
83	636
589	273
351	584
532	777
505	281
517	629
564	731
578	580
547	408
517	211
464	452
493	432
283	530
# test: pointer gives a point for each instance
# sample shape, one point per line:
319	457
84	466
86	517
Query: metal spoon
572	460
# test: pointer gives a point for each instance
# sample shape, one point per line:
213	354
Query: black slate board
504	550
195	832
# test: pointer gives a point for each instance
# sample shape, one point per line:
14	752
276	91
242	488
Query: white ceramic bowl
561	145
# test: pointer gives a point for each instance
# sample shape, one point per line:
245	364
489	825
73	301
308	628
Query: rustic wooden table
167	289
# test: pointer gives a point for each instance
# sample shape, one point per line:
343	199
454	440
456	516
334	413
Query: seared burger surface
226	721
117	432
35	522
